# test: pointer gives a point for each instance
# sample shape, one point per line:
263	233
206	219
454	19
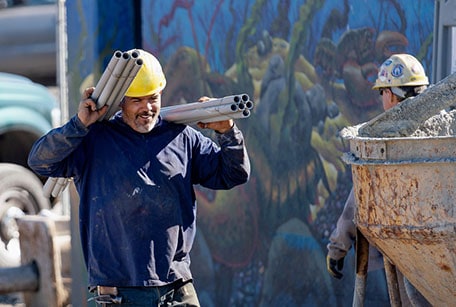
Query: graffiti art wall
309	67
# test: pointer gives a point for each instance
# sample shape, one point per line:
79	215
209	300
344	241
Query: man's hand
87	110
220	127
335	267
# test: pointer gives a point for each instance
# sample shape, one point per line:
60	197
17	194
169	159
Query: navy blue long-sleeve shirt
137	204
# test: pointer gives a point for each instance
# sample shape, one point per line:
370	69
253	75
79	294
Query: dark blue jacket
137	204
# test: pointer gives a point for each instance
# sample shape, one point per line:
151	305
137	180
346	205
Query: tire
21	192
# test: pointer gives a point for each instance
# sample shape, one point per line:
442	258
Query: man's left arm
234	154
227	166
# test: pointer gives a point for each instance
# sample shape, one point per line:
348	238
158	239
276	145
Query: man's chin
145	127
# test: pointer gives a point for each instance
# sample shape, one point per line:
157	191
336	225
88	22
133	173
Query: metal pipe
54	186
236	115
113	80
121	79
122	88
212	102
49	186
392	282
245	97
249	104
60	185
198	113
211	119
362	258
129	80
105	76
199	107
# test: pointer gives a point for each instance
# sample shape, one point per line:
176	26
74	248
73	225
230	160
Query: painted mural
309	67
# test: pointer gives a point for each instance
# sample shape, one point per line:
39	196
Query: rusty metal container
405	189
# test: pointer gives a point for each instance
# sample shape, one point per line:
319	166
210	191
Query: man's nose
149	104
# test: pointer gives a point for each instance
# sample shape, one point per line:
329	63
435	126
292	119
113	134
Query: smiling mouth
146	115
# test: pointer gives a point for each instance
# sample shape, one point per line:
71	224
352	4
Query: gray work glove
335	267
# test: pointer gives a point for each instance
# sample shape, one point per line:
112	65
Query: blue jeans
175	294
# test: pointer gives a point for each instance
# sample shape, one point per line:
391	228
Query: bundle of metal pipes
55	185
216	109
115	80
114	83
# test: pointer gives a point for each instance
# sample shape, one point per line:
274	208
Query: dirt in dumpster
442	124
439	125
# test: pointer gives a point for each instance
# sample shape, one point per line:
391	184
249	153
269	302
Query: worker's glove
335	267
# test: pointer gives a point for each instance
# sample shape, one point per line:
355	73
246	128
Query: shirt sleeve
224	167
49	155
343	236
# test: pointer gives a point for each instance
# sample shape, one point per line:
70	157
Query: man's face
389	100
141	113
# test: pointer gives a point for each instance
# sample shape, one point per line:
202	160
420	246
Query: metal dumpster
406	208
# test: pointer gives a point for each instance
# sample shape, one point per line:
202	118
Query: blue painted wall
264	244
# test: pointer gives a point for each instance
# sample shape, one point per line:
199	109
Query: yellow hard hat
401	70
150	78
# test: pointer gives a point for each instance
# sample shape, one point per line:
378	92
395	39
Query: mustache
146	113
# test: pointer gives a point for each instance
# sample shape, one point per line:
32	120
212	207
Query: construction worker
401	76
135	174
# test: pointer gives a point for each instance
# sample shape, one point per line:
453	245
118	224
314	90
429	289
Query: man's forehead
153	96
